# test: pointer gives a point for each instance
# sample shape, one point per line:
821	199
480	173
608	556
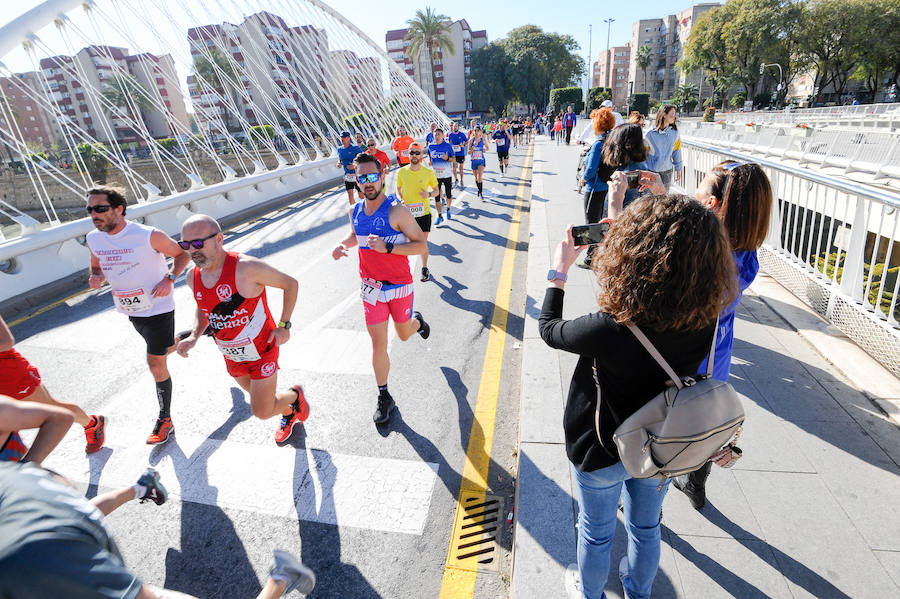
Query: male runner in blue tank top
458	141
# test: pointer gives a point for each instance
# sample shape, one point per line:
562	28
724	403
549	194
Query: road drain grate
474	543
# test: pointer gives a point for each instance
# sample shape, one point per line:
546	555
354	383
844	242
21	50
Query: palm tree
643	58
219	73
124	87
686	96
428	32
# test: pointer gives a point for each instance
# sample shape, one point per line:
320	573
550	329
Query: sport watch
284	324
389	247
171	276
555	275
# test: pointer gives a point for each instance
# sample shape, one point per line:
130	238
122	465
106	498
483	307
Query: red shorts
18	378
399	309
266	366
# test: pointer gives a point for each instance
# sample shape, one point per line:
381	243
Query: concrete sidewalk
813	508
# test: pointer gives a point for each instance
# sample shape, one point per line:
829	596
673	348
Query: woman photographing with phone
665	265
741	196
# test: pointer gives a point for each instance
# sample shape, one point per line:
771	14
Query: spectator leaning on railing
664	145
666	267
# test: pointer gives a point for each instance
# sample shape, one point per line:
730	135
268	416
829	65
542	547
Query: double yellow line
458	583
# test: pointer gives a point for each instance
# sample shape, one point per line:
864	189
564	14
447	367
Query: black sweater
629	376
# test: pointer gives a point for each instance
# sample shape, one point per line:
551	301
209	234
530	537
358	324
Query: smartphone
589	234
633	178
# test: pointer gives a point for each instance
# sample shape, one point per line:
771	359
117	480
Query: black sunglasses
371	145
100	208
415	153
195	243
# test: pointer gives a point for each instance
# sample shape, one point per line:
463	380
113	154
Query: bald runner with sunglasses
386	234
132	257
230	291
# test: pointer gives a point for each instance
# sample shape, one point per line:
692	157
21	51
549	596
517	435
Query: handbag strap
651	349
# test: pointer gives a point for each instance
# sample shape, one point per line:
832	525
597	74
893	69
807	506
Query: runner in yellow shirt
416	185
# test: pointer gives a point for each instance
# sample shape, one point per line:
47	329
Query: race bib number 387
130	302
239	350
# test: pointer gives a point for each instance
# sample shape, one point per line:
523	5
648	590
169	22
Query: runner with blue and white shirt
458	140
346	153
476	151
440	153
503	140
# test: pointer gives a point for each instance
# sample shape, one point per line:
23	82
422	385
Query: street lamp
762	69
606	75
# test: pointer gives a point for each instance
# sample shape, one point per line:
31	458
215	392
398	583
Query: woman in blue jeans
665	266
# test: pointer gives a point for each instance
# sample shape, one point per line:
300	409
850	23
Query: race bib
351	178
369	291
442	171
457	148
416	209
404	153
238	350
129	302
477	155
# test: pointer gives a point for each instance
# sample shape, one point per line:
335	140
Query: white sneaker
572	582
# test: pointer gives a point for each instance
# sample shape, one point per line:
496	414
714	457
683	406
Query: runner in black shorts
158	332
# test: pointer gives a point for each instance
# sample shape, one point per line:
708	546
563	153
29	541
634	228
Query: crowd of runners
141	265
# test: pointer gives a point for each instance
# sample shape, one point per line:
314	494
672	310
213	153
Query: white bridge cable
296	66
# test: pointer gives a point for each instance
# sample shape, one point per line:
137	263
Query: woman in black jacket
665	266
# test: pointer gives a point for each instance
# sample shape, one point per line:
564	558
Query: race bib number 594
129	302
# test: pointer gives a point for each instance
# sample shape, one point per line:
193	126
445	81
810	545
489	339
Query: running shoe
448	213
386	405
439	220
299	413
161	431
424	329
155	491
294	575
95	433
426	274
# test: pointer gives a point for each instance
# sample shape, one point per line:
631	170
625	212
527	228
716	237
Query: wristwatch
171	276
284	324
389	247
555	275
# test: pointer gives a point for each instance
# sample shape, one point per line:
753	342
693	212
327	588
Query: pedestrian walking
664	146
568	122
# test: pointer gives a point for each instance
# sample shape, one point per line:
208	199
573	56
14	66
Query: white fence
832	242
873	152
863	115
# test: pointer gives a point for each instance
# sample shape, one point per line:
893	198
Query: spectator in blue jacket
595	175
664	146
625	151
741	196
568	121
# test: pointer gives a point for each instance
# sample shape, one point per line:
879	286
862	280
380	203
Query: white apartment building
451	71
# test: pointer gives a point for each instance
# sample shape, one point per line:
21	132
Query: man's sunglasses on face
415	153
99	208
372	145
370	178
195	243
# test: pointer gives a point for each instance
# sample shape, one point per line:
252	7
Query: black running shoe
424	329
386	405
426	274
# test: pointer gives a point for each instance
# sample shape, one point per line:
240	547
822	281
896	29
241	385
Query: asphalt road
369	508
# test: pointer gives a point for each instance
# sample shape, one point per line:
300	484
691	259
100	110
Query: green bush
596	96
833	266
640	102
167	143
563	97
738	99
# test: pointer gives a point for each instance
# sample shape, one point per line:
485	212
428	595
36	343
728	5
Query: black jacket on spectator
629	377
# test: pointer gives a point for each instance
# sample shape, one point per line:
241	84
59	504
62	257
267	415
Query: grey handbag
678	430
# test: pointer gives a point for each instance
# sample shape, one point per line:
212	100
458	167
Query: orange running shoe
95	433
161	431
299	413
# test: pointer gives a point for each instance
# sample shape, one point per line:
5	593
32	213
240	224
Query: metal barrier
864	115
873	152
831	242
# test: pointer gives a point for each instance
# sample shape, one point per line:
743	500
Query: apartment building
23	111
104	67
451	71
611	71
666	38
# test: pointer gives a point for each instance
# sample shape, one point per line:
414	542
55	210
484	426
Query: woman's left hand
566	252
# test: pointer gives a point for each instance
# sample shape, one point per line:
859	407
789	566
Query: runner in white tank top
132	257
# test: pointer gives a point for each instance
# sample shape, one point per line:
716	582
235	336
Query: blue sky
498	18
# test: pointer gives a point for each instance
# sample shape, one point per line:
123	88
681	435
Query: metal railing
832	242
873	152
865	115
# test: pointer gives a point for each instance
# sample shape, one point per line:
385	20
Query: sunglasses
100	209
415	153
371	145
370	178
195	243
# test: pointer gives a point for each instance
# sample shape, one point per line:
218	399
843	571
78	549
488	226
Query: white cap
606	104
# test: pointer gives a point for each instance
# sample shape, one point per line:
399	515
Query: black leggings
447	183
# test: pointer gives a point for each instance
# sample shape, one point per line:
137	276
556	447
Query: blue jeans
598	495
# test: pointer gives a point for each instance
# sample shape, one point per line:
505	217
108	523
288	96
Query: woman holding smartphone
665	265
741	196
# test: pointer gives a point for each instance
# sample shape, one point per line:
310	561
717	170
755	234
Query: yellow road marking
458	583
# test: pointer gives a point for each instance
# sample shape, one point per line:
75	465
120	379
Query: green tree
878	56
429	32
488	78
563	97
685	97
596	96
640	102
93	156
830	38
643	58
128	96
538	62
167	143
218	73
259	134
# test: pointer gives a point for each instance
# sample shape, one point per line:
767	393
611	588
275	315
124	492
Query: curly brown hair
624	145
602	120
666	264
